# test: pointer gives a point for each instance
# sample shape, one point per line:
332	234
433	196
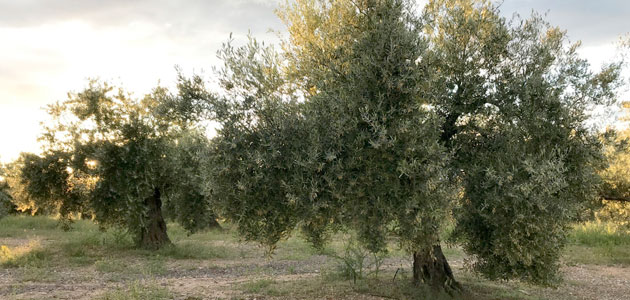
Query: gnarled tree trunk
153	236
430	267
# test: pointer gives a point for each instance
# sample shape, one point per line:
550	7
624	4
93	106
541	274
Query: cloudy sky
50	47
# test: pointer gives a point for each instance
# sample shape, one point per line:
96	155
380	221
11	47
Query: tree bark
153	236
449	129
431	267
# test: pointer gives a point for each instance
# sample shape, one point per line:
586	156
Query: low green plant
35	274
17	225
194	250
597	234
266	287
111	266
138	291
153	267
6	254
31	255
357	262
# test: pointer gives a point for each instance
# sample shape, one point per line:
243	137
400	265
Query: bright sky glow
51	47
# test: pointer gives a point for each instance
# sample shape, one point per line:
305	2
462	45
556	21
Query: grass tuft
193	250
598	243
598	234
268	287
138	291
52	255
31	255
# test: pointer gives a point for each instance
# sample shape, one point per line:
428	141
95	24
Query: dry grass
40	261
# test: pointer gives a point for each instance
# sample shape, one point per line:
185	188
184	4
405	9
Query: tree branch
616	198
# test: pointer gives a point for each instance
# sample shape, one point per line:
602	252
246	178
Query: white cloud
51	47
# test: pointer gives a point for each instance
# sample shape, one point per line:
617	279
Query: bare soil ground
292	274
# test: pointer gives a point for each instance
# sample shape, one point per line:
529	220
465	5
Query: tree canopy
514	97
15	187
385	122
118	159
5	194
616	187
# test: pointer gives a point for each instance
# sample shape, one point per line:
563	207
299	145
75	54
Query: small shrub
357	262
6	254
119	238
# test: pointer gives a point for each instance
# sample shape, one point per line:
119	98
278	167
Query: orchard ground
41	261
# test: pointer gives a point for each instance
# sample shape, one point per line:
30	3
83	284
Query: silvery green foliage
20	200
6	201
253	175
360	151
392	112
186	202
382	165
514	97
47	181
106	152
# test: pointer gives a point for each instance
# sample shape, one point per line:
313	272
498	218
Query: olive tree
376	119
615	191
514	97
119	159
6	200
333	138
20	199
386	167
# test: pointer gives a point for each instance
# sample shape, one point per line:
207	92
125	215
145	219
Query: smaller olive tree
119	159
21	200
6	200
615	190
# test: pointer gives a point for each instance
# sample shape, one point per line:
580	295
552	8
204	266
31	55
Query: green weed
598	234
31	255
138	291
193	250
35	274
263	287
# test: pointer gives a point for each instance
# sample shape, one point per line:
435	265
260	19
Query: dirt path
597	282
